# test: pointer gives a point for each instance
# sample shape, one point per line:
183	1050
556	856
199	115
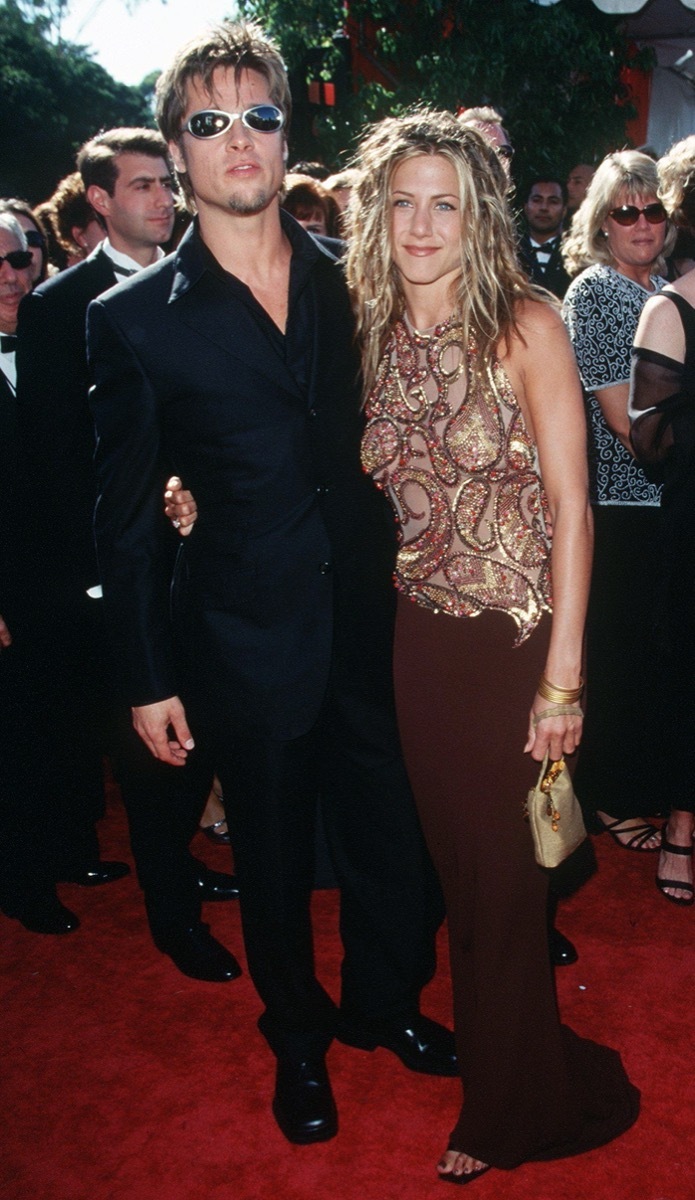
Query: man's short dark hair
96	161
547	179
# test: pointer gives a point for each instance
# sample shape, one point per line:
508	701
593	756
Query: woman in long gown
475	429
662	406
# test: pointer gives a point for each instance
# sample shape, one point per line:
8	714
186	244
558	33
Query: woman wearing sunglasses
619	235
662	405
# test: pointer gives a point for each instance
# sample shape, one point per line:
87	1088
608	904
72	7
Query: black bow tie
8	343
125	271
546	248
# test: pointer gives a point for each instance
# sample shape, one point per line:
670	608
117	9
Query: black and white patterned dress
618	769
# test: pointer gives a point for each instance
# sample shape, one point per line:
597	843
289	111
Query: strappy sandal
683	884
640	834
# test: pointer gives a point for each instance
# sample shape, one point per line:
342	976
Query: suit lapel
226	322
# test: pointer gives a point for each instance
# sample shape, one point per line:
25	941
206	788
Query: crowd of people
266	401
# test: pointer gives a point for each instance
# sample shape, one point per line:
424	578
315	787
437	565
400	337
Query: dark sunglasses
211	122
506	152
629	214
34	238
18	259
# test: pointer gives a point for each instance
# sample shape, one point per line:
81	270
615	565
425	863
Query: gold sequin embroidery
447	441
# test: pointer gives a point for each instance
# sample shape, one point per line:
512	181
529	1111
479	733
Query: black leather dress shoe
562	952
421	1044
199	955
96	873
303	1103
215	885
43	914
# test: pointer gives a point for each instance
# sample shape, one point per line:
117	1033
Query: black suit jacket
290	562
56	432
8	423
553	276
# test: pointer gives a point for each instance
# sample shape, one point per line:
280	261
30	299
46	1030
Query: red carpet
123	1080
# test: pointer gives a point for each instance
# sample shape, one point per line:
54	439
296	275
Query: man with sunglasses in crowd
233	365
17	829
128	182
15	283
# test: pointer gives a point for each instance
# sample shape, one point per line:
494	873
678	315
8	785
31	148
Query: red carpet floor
123	1080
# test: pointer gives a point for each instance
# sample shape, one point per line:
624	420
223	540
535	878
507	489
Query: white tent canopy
619	6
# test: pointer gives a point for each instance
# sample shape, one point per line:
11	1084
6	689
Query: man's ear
177	157
99	199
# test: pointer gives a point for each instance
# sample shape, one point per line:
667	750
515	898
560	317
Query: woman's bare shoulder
538	323
660	327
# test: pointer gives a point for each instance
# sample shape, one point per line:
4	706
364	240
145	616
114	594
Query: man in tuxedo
19	833
233	366
15	283
128	182
539	246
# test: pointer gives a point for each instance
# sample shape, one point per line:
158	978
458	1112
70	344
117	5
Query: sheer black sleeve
657	404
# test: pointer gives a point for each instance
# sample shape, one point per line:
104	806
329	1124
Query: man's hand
180	506
5	635
163	729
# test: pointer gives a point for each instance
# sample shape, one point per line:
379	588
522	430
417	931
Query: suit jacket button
325	568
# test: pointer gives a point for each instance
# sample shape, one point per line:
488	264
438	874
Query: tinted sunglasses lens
629	214
655	214
34	238
18	259
264	118
505	152
208	124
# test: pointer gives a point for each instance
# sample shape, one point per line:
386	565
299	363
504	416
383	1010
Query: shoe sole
323	1134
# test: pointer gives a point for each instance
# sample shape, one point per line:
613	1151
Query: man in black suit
128	181
539	246
21	832
233	365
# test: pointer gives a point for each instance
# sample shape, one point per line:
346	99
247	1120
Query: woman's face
426	221
635	247
313	220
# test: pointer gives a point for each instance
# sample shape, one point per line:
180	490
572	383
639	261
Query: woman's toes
454	1163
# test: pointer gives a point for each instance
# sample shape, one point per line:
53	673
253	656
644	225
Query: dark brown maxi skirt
532	1088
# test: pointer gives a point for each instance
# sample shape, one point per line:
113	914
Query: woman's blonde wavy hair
491	281
624	173
677	182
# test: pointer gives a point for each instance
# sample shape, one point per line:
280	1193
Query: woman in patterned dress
475	430
622	232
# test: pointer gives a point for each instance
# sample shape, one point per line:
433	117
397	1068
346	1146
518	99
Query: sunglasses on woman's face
629	214
212	122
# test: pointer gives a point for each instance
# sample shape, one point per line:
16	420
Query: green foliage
553	71
52	99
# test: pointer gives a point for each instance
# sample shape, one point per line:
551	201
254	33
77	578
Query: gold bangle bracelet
558	695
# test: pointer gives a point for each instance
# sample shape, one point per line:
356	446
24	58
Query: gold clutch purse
553	812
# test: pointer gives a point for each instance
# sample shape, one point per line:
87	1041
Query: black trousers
60	719
391	904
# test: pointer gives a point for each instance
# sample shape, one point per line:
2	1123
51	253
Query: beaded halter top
446	439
